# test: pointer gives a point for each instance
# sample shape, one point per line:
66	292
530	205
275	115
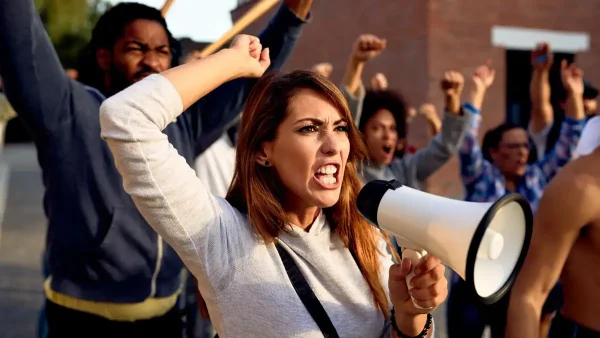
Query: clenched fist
253	59
367	47
379	82
324	69
452	85
541	57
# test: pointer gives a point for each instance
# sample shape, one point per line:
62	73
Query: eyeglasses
516	145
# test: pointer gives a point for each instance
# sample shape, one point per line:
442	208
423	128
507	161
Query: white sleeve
207	233
540	139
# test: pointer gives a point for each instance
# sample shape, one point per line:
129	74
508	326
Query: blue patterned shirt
485	183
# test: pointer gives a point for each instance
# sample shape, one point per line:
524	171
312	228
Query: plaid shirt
485	183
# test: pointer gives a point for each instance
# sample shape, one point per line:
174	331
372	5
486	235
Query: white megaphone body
484	243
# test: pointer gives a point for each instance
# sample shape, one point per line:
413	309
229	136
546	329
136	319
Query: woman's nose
331	144
388	134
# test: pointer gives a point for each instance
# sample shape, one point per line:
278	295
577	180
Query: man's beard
118	80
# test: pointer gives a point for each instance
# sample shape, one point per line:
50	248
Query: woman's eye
343	129
308	129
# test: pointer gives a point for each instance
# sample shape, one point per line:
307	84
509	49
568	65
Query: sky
200	20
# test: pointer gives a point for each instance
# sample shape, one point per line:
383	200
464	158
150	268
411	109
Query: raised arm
164	188
366	47
472	163
542	113
428	111
33	78
568	205
223	105
572	126
445	144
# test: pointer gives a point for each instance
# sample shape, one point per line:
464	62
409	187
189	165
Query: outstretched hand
429	286
367	47
484	76
253	59
572	78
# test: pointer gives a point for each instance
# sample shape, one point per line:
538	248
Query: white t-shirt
215	166
590	138
540	139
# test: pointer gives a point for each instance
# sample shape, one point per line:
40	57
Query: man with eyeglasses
501	168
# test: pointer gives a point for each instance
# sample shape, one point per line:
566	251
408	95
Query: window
518	78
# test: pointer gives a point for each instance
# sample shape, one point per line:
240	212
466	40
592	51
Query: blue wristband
471	108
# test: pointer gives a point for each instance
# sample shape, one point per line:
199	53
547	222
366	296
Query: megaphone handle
415	257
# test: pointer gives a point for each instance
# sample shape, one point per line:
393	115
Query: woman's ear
262	157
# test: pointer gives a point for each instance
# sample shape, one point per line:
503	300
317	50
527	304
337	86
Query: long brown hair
254	190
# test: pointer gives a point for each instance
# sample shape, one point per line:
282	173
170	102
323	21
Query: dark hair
391	100
109	29
491	140
590	92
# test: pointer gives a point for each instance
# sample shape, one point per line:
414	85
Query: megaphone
484	243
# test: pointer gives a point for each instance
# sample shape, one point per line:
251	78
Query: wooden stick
252	15
165	8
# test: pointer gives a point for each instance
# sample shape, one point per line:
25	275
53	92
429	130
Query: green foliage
69	24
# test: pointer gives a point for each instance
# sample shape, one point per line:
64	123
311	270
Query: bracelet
420	335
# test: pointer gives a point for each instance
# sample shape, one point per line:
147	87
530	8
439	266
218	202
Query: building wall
460	37
429	37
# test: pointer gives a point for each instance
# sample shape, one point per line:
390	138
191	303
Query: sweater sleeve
441	148
206	231
355	103
33	78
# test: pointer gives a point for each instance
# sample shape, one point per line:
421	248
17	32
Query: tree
69	24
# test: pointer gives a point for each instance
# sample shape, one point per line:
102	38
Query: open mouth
328	175
388	150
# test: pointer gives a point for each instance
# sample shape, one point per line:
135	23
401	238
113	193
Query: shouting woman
291	206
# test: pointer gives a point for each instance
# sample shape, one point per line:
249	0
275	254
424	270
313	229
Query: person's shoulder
95	93
579	180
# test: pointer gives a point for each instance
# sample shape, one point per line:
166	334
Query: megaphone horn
484	243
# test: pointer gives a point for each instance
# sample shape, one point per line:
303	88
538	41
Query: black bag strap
306	294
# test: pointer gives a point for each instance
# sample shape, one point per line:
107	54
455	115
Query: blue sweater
99	247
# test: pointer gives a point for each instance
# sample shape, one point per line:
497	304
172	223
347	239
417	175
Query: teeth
328	180
327	170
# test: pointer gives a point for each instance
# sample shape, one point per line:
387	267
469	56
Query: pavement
22	236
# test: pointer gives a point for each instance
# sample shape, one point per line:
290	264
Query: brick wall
428	37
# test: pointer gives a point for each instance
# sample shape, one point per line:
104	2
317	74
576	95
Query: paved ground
22	236
21	240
